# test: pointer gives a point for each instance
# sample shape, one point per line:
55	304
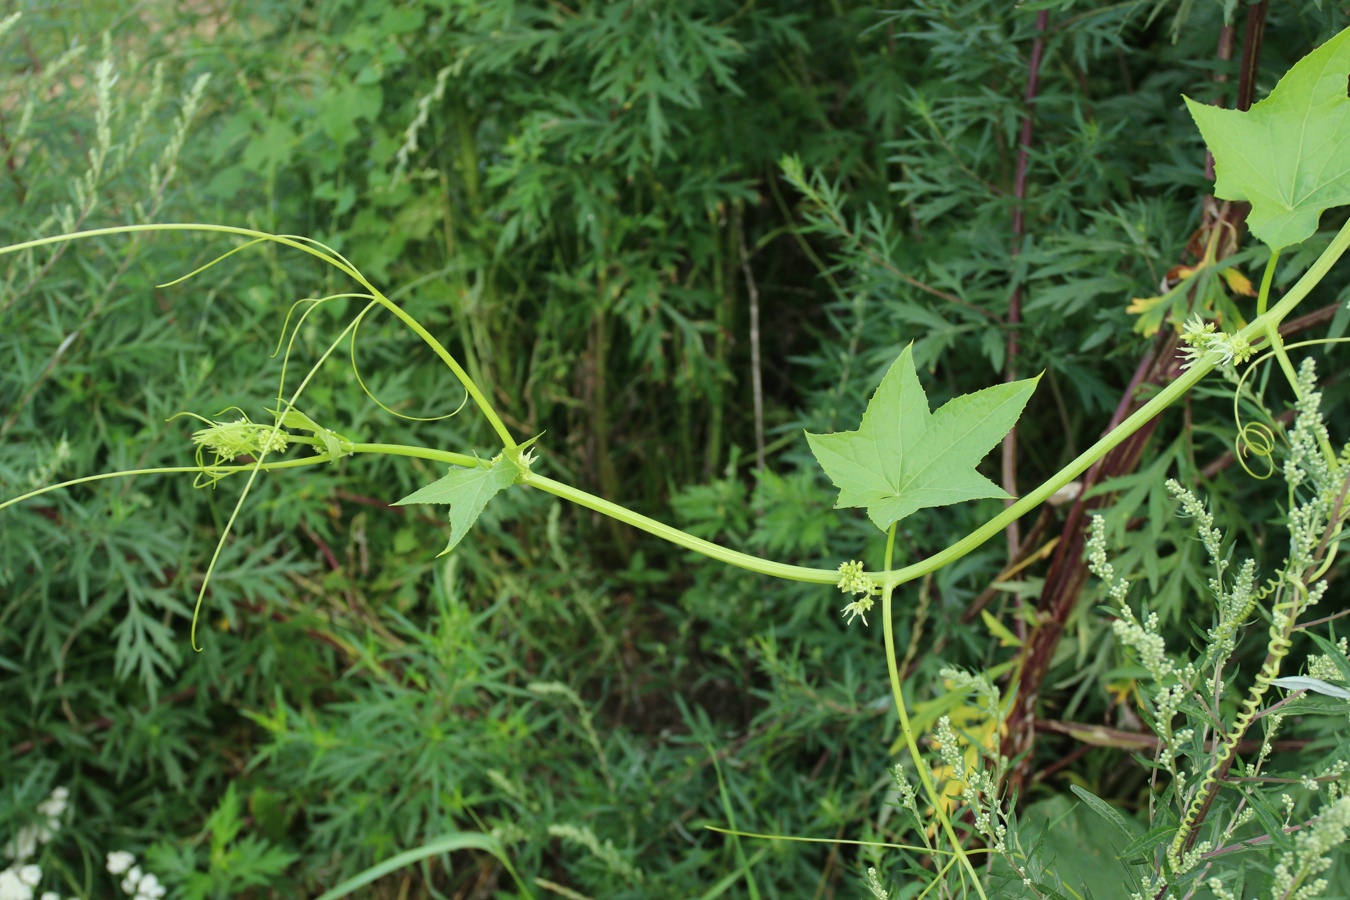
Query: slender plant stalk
897	693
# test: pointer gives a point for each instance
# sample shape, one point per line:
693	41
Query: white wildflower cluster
1220	890
1295	873
22	877
18	881
26	843
1202	339
854	580
136	884
21	880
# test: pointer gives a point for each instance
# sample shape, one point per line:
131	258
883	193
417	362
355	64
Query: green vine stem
681	538
315	250
1265	325
897	693
1255	330
1170	394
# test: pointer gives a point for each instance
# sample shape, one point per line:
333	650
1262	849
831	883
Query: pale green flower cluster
1172	682
1309	435
45	473
908	796
241	437
963	682
1201	339
854	580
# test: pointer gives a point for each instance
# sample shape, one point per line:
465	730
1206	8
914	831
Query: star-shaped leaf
468	490
903	457
1289	155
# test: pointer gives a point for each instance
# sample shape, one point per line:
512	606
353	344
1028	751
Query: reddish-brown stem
1019	231
1251	53
1068	572
1225	53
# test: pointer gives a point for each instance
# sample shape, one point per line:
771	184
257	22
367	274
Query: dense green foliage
613	214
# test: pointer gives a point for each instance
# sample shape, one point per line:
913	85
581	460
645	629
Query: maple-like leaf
903	457
468	490
1289	155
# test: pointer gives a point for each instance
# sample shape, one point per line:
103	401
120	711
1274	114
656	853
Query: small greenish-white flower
119	861
1198	336
858	609
1237	349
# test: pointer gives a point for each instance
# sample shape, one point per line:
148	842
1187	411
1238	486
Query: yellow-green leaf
1289	155
903	457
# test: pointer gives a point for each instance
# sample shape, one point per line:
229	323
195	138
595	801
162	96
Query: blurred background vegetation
615	214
